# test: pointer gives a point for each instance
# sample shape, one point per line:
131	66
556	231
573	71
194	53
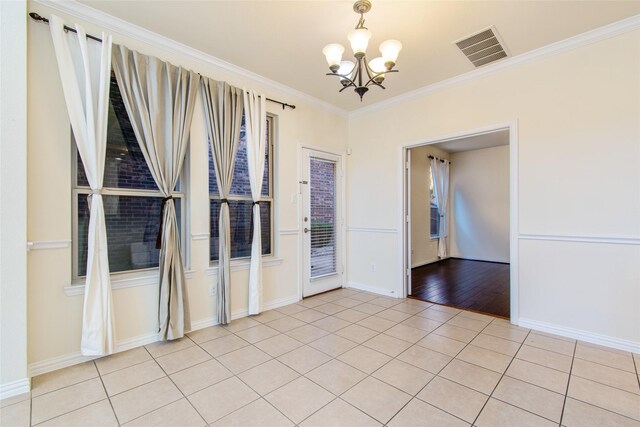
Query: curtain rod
437	158
37	17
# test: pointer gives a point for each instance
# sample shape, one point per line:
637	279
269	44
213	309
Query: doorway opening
460	222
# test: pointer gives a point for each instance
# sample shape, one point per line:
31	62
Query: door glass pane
322	186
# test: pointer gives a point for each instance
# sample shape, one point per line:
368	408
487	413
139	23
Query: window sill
243	264
122	281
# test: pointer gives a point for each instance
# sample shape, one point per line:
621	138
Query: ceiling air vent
483	47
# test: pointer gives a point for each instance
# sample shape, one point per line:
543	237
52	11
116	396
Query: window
241	203
433	204
130	196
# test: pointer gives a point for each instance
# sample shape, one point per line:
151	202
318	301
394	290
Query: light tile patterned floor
345	358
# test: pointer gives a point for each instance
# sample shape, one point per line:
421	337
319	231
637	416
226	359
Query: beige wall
578	185
13	199
479	204
424	249
54	317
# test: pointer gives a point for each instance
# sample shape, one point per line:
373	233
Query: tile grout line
260	396
500	380
566	392
31	407
367	375
336	397
65	413
437	375
166	376
635	363
107	394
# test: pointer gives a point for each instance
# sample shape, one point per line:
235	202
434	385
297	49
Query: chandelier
361	74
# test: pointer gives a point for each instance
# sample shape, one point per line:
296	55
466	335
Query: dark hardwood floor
473	285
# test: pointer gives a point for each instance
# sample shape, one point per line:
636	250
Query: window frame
269	198
431	206
77	190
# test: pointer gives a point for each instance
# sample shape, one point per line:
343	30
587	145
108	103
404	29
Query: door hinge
406	165
408	271
407	218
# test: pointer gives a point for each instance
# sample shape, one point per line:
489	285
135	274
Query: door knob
306	230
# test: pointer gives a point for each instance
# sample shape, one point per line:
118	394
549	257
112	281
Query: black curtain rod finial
37	17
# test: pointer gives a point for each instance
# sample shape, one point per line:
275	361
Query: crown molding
127	29
589	37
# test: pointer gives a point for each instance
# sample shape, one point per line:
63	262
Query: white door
321	222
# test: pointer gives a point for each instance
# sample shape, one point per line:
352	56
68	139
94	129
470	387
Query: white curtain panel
85	70
160	98
440	171
223	106
255	116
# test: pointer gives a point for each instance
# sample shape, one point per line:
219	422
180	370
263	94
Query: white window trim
150	276
239	264
124	280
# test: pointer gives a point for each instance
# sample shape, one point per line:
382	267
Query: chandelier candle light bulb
361	74
359	39
333	52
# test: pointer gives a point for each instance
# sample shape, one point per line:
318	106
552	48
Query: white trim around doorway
513	205
343	217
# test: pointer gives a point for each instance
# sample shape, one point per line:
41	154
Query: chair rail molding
35	245
612	240
372	230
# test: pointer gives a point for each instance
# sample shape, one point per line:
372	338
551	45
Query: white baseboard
266	307
425	262
15	388
44	366
605	340
378	291
500	261
55	363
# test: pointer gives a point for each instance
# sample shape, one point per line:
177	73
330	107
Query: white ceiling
283	40
475	142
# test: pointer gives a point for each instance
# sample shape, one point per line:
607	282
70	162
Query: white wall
424	249
55	317
479	204
578	116
13	199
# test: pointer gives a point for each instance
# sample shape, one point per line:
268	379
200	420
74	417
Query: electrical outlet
373	267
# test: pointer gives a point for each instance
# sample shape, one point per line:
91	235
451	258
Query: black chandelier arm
373	81
358	82
351	82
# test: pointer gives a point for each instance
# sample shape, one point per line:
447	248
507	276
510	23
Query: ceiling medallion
361	74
